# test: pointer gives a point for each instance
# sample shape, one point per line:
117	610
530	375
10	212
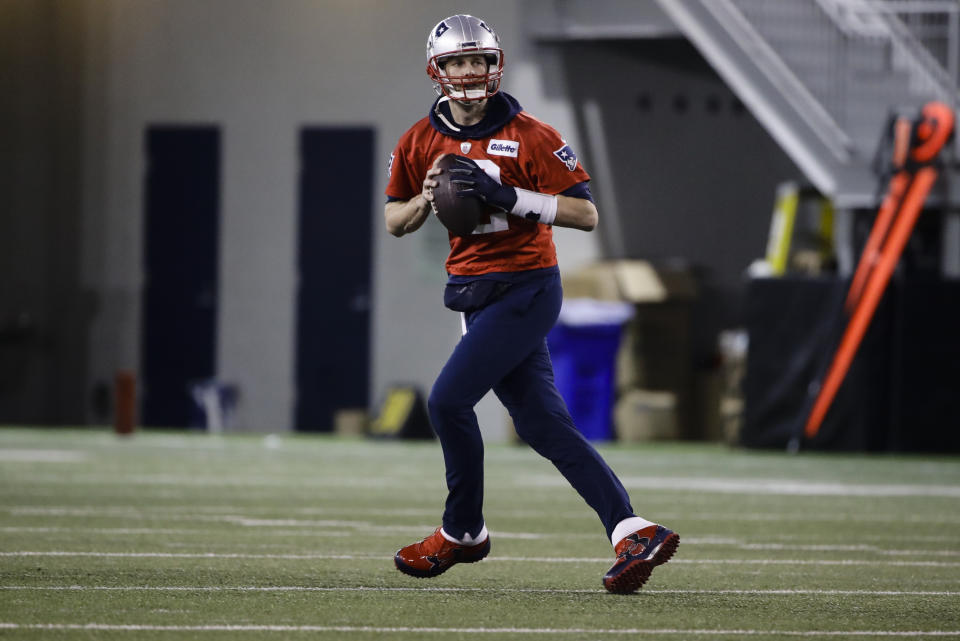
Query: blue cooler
583	347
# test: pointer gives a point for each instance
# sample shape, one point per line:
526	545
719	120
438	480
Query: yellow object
781	227
396	408
825	229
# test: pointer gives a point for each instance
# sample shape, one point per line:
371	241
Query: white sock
626	527
467	539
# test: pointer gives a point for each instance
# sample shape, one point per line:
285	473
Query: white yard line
415	480
769	486
307	588
41	456
872	549
748	486
427	630
153	531
523	559
209	512
314	528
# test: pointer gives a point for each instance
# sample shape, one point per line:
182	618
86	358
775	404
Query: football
459	215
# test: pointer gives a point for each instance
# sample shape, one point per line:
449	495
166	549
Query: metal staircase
824	76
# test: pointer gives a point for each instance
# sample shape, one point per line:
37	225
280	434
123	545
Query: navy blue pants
505	349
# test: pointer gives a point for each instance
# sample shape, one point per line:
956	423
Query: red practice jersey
524	153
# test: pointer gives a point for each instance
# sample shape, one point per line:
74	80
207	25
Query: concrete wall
88	76
261	71
689	174
44	312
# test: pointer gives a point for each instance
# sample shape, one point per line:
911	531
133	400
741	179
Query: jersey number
498	220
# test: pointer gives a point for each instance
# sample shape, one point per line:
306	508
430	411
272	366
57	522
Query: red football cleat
637	555
435	554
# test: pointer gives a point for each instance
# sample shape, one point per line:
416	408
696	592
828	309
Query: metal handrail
880	19
939	80
778	73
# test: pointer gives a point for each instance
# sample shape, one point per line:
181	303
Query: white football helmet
456	36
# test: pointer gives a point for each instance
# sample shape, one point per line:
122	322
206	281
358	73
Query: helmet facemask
471	87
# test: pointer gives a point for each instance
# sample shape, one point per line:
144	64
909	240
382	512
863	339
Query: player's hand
428	182
480	184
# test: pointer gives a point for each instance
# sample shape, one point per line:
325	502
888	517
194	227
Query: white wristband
532	205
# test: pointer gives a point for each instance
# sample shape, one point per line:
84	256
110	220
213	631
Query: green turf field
189	536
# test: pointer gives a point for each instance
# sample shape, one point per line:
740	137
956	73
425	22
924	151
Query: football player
505	281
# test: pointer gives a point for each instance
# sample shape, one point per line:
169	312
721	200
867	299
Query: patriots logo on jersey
567	157
390	165
442	28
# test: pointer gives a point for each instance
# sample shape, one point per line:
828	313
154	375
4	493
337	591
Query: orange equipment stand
916	146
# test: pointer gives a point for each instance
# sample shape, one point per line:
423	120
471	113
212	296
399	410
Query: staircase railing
824	76
820	120
931	76
935	24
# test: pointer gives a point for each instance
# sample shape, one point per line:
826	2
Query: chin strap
440	115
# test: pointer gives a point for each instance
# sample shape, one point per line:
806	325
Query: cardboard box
634	281
656	352
351	422
646	415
